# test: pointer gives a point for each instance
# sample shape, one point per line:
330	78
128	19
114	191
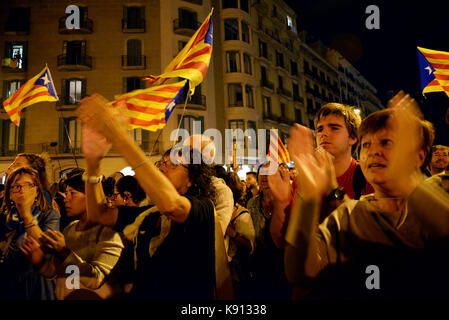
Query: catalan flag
434	70
37	89
277	151
150	108
192	61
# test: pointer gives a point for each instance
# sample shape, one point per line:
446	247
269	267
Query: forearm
301	256
277	224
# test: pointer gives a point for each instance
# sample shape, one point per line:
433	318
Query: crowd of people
191	230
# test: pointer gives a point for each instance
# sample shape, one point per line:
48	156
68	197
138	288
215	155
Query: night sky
385	57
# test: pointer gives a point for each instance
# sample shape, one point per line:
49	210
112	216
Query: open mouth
376	165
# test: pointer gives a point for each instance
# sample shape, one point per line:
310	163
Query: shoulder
441	180
220	185
49	219
340	217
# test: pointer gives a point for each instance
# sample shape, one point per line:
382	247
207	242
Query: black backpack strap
358	182
235	218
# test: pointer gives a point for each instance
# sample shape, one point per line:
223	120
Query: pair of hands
51	242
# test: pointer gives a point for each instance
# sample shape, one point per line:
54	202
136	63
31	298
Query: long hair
8	205
38	163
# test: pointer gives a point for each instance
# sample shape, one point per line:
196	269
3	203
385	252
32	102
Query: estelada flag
434	70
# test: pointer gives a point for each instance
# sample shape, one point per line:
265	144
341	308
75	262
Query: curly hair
200	175
236	186
7	205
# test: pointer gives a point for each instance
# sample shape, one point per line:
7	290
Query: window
247	63
244	5
263	74
73	90
11	86
141	137
181	44
189	122
133	17
134	52
235	96
295	89
260	22
245	32
298	116
69	135
18	20
263	49
306	66
275	11
16	55
133	83
289	23
237	124
310	104
229	4
232	61
281	82
249	96
294	68
12	137
252	125
276	35
231	29
283	110
74	51
279	59
188	19
266	105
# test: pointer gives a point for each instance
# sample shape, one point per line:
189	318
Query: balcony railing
284	92
13	65
298	98
17	27
199	2
198	99
185	27
134	62
267	84
67	101
86	26
133	25
74	62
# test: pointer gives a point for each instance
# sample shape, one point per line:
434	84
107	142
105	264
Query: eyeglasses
168	164
18	187
114	195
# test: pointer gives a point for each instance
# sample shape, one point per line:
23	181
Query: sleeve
224	203
245	227
49	220
126	216
201	212
94	271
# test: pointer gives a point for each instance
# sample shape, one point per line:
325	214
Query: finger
26	251
47	237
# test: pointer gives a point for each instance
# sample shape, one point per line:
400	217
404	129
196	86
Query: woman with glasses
127	192
175	251
25	214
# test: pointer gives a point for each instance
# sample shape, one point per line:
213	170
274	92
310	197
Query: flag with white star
37	89
434	70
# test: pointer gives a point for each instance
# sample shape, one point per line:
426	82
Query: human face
440	159
18	162
23	188
250	181
333	136
178	174
75	202
117	199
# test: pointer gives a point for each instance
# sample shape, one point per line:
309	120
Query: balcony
269	116
86	27
284	92
8	150
13	65
17	27
133	26
266	84
197	101
261	6
134	62
66	103
198	2
185	27
74	62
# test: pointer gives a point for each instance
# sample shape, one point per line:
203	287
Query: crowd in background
177	230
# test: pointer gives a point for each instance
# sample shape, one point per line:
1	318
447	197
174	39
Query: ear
421	158
352	141
127	195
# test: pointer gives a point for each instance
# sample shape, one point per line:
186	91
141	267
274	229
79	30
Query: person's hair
73	179
236	186
260	167
439	147
108	186
130	184
220	172
200	175
352	119
38	163
252	173
40	202
379	120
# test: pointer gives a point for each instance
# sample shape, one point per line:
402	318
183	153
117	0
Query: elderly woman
386	245
25	214
175	238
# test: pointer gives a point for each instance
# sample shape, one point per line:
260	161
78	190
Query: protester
400	232
440	159
252	188
175	250
239	240
25	214
127	192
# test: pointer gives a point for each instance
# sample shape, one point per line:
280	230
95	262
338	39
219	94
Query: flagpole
182	116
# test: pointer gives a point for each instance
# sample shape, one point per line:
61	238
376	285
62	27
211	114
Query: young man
252	187
440	159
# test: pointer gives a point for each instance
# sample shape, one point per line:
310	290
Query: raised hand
94	145
279	184
53	240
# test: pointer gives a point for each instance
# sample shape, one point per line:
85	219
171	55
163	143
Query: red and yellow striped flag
277	151
192	61
434	70
37	89
150	108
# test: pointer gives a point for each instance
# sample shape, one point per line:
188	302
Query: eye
366	145
387	143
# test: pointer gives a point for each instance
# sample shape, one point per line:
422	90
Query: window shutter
4	90
61	135
125	87
83	87
145	139
125	14
64	90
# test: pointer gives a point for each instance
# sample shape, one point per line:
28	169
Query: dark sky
385	57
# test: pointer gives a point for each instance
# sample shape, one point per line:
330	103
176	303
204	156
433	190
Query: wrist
63	253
